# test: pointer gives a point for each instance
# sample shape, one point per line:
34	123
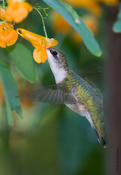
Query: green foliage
70	15
23	60
117	24
9	113
10	91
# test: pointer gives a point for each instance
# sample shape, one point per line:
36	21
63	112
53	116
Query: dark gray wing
51	94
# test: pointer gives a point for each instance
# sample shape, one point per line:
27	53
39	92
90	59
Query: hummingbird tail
101	139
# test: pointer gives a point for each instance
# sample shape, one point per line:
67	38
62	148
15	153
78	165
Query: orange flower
59	23
91	5
17	10
8	35
39	42
2	13
40	55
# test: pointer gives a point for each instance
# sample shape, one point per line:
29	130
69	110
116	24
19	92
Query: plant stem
43	23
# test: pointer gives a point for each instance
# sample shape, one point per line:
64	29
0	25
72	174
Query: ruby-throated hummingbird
74	92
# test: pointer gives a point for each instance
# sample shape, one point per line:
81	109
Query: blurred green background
51	139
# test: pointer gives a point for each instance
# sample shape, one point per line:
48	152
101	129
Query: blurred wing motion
51	94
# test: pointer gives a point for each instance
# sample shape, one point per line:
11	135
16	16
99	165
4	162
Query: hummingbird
73	91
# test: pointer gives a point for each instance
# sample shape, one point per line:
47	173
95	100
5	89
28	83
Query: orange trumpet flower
39	42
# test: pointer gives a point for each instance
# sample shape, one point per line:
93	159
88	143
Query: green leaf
10	90
71	16
9	113
5	124
119	14
3	64
23	60
117	24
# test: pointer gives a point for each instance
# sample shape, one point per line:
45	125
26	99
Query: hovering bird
74	92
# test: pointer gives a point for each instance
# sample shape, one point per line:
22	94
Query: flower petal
17	11
36	40
51	42
8	35
40	55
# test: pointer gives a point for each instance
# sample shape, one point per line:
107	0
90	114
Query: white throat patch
59	73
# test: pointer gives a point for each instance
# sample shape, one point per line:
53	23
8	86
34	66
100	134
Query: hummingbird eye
54	53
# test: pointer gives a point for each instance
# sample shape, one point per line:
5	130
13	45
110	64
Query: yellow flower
8	35
17	10
39	42
2	14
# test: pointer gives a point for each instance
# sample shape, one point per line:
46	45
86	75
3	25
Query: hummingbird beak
50	55
48	52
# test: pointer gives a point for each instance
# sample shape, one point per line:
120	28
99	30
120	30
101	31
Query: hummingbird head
58	64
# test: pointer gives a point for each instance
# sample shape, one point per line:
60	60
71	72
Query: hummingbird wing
52	94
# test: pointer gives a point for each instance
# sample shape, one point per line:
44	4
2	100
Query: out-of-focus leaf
70	15
77	141
97	165
23	60
3	64
9	113
117	24
10	89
